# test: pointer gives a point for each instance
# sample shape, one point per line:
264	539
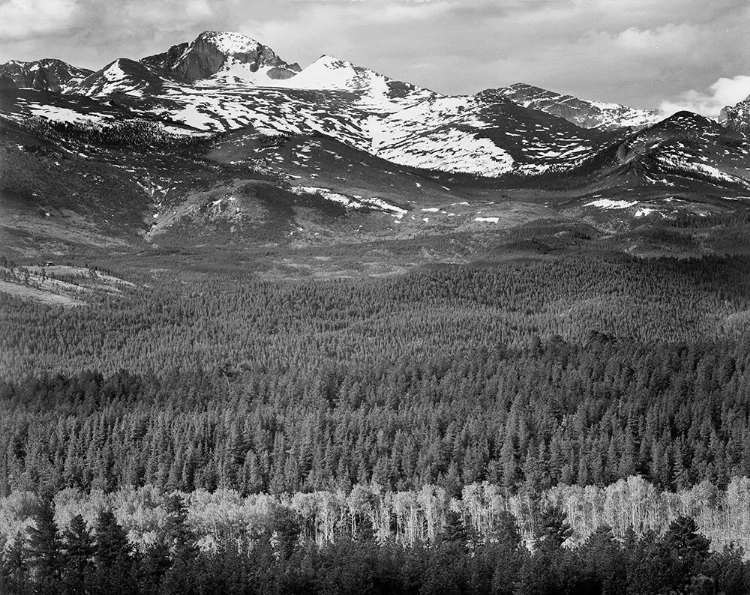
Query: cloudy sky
668	54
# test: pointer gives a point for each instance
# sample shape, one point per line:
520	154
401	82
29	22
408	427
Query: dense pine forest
464	420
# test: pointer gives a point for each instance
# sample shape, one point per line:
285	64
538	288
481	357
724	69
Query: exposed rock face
737	117
44	75
581	112
211	51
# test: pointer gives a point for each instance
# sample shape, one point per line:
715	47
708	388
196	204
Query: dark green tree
686	550
78	555
44	548
112	556
14	569
178	534
604	561
286	527
454	530
553	529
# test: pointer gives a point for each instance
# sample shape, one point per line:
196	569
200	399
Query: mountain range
220	141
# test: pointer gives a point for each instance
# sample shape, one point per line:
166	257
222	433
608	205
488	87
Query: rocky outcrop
737	117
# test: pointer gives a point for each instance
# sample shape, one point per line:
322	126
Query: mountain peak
525	87
229	43
227	54
122	76
332	62
688	123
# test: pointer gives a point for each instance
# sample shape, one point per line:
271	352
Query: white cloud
724	92
666	39
20	19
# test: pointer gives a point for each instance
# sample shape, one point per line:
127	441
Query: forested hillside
527	375
613	389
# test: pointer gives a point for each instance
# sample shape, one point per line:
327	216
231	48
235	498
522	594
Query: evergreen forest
541	424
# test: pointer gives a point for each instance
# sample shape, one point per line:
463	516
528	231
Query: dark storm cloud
645	53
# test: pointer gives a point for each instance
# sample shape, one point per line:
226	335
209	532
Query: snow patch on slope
453	151
64	114
606	203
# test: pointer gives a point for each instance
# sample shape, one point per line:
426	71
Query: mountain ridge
582	112
47	74
334	153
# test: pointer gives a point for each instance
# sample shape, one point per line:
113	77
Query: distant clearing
31	293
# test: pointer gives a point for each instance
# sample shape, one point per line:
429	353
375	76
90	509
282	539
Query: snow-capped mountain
373	90
44	75
223	82
220	141
581	112
737	116
221	57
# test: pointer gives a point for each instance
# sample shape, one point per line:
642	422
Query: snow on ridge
328	73
327	194
331	74
681	161
233	43
606	203
349	202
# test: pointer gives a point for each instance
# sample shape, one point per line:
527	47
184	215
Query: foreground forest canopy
78	558
542	382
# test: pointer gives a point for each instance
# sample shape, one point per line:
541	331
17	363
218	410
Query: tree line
82	558
135	134
405	517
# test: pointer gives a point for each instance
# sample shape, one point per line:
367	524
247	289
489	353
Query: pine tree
454	530
78	553
112	556
287	529
14	569
686	548
553	529
44	548
178	535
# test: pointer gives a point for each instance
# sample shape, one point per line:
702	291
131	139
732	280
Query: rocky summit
212	53
737	116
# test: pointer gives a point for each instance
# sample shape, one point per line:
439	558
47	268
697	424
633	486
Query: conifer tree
553	529
44	548
14	568
287	529
112	547
78	553
454	530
